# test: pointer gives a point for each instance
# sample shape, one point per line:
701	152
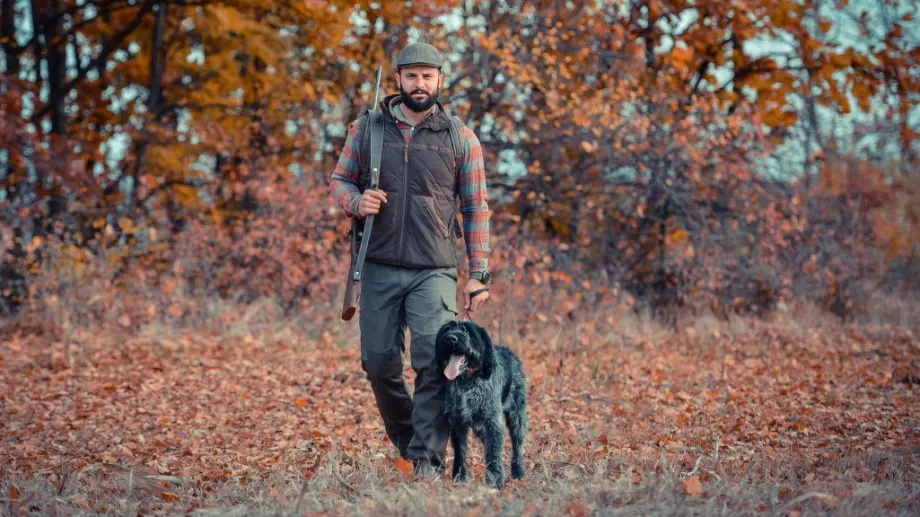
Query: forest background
726	156
164	165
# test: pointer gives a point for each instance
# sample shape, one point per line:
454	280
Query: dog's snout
451	338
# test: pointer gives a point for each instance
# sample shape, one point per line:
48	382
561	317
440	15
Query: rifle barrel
376	88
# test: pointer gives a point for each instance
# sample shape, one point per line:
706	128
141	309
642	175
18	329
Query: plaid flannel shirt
473	197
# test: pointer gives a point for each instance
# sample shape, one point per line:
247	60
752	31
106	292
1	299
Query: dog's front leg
495	450
458	437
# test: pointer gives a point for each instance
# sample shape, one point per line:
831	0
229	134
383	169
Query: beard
414	104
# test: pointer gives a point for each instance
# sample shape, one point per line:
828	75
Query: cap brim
419	64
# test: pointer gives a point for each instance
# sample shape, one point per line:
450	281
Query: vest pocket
428	206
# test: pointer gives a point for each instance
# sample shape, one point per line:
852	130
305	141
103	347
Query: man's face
418	86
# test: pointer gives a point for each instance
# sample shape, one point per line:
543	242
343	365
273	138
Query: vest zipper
405	196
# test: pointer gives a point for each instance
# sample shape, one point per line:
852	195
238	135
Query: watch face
486	277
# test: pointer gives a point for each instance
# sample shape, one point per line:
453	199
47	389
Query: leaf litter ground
765	421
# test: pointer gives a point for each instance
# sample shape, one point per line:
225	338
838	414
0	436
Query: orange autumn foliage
190	150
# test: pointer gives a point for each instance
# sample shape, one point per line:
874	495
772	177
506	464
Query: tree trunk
8	38
56	63
156	60
35	11
155	89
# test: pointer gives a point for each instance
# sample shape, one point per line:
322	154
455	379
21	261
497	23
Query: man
410	277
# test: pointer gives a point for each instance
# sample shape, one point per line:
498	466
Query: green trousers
393	299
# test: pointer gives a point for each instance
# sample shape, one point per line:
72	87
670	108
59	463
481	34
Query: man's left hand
472	305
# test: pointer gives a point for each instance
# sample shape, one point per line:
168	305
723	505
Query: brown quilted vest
417	227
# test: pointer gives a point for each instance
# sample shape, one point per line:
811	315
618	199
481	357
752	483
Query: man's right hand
370	202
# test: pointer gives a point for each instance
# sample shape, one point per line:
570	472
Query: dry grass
857	485
609	390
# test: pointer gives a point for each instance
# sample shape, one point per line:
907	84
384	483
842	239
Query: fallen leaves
217	409
176	311
906	374
577	508
692	486
405	466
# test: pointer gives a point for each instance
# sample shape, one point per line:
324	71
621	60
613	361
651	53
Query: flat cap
420	54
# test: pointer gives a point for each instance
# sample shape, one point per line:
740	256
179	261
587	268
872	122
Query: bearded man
410	278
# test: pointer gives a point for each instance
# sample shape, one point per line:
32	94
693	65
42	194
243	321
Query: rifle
361	230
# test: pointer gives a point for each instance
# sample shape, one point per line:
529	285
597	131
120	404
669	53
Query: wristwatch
483	276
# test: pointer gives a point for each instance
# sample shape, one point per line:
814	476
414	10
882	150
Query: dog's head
464	348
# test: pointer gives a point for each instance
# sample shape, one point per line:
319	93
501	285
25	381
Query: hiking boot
425	470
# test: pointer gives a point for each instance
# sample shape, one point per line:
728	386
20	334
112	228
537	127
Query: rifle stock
352	288
360	235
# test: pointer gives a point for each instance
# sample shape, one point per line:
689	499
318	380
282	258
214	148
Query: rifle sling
375	125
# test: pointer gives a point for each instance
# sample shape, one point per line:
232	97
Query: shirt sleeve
474	202
343	185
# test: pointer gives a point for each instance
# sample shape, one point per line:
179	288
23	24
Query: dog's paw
495	479
460	474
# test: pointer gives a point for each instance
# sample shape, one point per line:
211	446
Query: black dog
485	382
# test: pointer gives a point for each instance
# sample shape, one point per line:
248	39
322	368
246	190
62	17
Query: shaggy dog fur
486	389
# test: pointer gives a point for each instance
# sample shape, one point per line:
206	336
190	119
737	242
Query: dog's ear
441	353
484	342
